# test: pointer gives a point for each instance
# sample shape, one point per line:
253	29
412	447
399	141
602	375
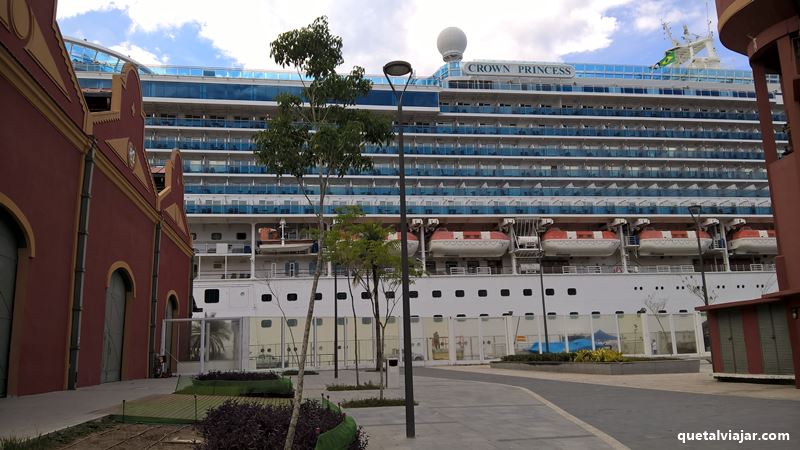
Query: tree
374	263
317	134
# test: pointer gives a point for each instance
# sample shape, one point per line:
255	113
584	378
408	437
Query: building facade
92	256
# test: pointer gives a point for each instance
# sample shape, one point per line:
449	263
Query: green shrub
293	372
368	386
281	387
373	402
537	357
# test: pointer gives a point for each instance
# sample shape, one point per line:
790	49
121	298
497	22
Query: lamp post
541	285
694	211
401	69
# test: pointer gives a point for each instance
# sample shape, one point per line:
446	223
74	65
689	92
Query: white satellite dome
451	43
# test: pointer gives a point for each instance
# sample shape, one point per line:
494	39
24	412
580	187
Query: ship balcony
221	248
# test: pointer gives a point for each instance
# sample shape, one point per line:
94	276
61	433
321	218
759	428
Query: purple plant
253	426
237	376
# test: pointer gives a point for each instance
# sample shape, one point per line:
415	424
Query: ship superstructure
580	173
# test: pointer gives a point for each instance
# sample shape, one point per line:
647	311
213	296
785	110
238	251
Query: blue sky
236	33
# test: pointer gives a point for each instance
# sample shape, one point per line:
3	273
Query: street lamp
541	285
694	211
401	69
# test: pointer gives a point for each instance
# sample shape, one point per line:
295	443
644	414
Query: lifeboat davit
269	241
412	244
489	244
684	243
758	242
580	243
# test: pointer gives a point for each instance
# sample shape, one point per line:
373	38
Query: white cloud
139	54
381	30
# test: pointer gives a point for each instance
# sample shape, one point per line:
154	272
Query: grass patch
373	402
58	438
369	386
289	372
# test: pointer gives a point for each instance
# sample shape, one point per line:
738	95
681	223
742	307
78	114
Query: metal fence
265	343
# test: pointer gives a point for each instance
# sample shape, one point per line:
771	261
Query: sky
237	33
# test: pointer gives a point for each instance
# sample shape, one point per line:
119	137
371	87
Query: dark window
438	318
527	292
291	297
482	293
572	291
266	323
413	294
194	236
266	297
318	296
340	321
436	294
291	322
549	291
216	236
366	295
319	321
366	320
459	293
391	319
461	315
389	295
484	315
212	296
341	295
241	236
414	319
505	292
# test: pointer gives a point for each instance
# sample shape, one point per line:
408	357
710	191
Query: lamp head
397	68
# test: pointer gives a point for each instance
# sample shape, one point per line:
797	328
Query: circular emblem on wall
131	154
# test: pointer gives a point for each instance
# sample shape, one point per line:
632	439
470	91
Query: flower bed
252	384
601	362
250	426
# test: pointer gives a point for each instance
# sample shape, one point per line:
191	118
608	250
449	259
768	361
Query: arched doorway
169	350
114	328
9	248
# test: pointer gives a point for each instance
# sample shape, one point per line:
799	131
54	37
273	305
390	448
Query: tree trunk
298	392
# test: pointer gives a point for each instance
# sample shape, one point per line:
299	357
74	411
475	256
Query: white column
480	338
623	254
252	250
202	345
591	327
451	338
672	334
513	264
422	249
646	339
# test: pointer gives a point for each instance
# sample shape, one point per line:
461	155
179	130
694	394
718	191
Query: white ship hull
604	293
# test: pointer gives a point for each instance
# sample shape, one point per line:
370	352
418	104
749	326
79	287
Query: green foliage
601	355
318	130
353	387
536	357
373	402
281	387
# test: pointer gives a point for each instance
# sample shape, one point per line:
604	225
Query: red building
92	256
762	337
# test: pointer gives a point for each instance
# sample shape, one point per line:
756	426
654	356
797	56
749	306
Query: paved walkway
647	418
34	415
465	415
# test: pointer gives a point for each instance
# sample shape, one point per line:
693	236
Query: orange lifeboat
412	244
683	243
269	241
758	242
488	244
580	243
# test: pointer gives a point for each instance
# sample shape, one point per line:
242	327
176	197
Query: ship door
731	337
774	331
114	329
9	246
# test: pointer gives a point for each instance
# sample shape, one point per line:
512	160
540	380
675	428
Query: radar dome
451	43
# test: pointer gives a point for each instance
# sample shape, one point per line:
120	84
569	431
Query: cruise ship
527	182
